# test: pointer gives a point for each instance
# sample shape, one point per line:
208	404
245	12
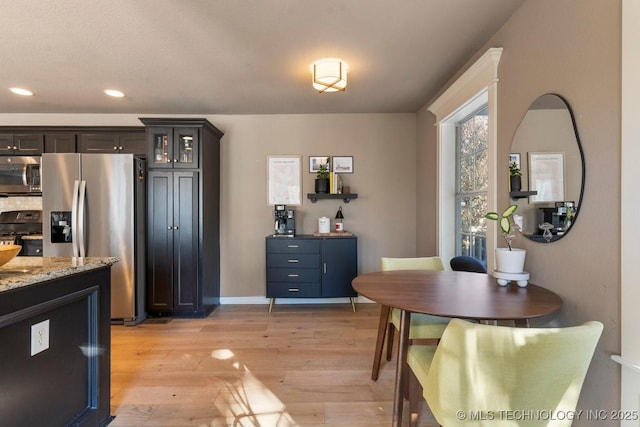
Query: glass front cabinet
183	220
174	147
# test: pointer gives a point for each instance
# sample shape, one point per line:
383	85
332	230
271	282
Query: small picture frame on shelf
316	161
342	164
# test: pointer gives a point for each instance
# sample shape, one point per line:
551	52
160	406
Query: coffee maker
285	222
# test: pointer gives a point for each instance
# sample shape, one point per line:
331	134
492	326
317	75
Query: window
472	184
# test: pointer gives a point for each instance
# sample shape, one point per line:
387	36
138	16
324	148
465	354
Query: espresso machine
285	222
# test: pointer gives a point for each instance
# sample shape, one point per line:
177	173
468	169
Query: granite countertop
24	270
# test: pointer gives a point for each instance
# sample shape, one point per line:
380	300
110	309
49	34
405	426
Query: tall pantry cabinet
183	220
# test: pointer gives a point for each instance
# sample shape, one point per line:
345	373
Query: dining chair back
467	263
423	326
494	370
420	263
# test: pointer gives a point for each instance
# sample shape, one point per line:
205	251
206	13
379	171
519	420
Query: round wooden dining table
454	294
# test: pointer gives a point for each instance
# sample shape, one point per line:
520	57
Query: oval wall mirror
547	148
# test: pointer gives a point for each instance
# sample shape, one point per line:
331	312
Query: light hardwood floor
301	365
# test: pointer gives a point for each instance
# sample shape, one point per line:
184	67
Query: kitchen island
56	339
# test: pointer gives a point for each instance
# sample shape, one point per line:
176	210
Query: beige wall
383	216
571	48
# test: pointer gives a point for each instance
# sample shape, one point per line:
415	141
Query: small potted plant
515	177
509	259
322	178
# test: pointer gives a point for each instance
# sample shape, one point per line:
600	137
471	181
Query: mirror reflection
547	150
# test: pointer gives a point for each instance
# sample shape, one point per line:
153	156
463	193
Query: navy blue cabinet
311	267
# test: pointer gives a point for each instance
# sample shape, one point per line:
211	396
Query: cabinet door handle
324	267
169	228
293	275
292	246
294	290
38	251
115	148
293	261
175	227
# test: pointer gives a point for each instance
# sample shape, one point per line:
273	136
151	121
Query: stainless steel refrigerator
94	206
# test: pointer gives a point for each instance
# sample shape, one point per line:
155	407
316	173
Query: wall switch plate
39	337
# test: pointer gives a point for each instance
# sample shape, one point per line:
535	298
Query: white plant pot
510	261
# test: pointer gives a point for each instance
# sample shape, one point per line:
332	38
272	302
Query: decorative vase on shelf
322	178
322	186
515	177
515	182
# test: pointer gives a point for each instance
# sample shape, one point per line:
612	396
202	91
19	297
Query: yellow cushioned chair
499	372
423	326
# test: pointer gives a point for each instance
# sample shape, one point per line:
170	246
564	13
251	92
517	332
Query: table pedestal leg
398	397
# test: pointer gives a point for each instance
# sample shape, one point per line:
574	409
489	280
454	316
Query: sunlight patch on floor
245	401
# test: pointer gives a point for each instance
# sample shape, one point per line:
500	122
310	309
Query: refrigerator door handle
81	221
74	219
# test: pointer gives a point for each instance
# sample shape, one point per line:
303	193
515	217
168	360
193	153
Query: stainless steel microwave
20	175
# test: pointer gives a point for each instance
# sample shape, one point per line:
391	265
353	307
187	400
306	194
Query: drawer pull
292	246
293	261
294	290
293	275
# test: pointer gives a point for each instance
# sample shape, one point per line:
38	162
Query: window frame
476	86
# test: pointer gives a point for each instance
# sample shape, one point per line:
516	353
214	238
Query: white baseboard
265	301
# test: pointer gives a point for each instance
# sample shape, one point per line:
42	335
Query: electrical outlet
39	337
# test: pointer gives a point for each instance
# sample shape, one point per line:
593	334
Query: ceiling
235	56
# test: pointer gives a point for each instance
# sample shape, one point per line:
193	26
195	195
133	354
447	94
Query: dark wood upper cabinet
21	144
116	143
173	148
35	140
63	142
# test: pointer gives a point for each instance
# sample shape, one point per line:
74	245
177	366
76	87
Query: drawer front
288	290
293	275
284	245
31	248
293	260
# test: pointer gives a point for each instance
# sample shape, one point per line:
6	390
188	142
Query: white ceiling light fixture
329	74
114	93
21	91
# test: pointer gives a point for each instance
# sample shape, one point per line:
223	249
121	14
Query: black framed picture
316	161
514	158
342	164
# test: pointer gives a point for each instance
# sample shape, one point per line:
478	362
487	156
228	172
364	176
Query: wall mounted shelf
314	197
521	194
